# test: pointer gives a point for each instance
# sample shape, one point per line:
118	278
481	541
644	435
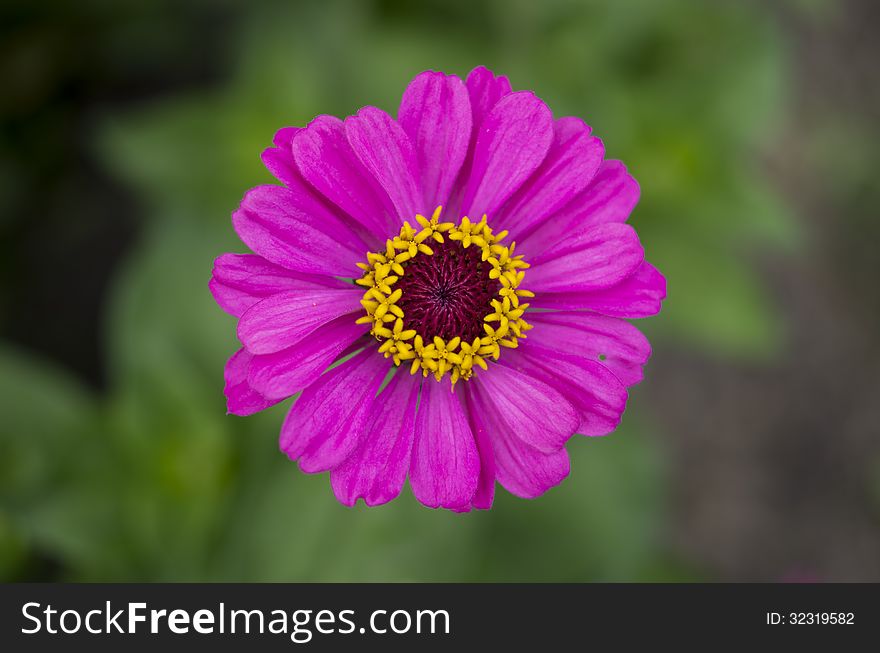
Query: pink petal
571	163
524	471
325	159
525	407
279	159
377	469
484	91
291	228
445	464
639	295
436	114
610	197
485	493
386	151
288	371
239	281
592	388
284	136
282	320
600	258
329	418
520	468
241	398
511	143
617	344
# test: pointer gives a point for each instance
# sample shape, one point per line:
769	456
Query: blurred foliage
152	481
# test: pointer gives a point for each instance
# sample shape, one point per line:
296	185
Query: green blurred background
129	133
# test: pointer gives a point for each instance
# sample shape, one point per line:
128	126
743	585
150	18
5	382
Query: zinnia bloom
447	291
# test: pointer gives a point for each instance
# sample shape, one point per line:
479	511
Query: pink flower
472	348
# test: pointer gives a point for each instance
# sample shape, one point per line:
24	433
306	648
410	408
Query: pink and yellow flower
448	292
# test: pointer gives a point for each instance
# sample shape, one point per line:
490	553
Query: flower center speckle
447	294
433	295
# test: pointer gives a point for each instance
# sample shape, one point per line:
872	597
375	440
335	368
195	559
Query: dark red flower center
448	293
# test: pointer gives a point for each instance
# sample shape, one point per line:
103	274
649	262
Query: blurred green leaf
45	415
49	432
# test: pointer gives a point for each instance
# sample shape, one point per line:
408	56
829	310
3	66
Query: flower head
447	292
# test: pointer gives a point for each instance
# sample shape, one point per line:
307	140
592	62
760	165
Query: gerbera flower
447	291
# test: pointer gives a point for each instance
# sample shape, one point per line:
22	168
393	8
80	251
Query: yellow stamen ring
502	328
